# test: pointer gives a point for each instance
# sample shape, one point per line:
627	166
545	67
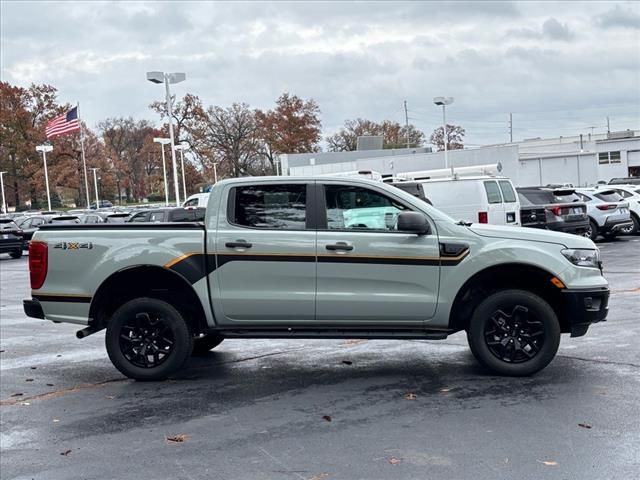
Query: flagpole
84	162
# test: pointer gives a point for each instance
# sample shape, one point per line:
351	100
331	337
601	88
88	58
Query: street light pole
215	173
444	101
95	185
163	142
4	203
44	149
182	147
167	78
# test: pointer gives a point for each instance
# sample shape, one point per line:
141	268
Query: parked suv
608	212
631	194
554	209
11	239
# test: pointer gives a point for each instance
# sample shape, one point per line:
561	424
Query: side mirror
413	222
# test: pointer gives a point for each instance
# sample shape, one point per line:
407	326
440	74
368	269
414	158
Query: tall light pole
44	149
95	185
444	101
182	147
215	172
163	142
169	78
4	203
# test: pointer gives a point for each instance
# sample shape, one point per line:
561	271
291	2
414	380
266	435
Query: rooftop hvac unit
492	169
370	142
618	135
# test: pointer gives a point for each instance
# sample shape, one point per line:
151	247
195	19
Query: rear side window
507	191
609	196
276	207
493	192
156	217
35	222
181	216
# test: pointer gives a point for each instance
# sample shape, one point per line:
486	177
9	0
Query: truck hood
532	235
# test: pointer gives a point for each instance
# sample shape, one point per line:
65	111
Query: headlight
583	257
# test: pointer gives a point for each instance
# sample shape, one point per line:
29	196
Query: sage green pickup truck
317	257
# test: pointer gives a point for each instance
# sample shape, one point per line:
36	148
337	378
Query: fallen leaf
49	384
181	437
1	351
33	368
584	425
549	463
354	341
326	418
58	355
17	394
55	420
25	403
393	460
410	396
347	362
110	397
29	380
66	452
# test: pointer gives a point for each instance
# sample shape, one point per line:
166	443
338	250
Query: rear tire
16	253
592	230
634	229
202	345
514	333
148	339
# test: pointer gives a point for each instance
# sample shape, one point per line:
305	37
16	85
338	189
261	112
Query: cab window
276	207
357	208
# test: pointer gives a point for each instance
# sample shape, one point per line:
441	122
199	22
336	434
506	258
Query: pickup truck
282	257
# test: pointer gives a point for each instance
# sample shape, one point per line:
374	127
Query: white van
480	199
197	200
369	174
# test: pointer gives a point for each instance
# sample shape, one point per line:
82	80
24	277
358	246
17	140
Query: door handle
238	244
340	246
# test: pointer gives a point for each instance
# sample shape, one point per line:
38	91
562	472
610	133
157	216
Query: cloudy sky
560	67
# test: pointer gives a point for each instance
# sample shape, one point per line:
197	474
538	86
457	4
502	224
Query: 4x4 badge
73	245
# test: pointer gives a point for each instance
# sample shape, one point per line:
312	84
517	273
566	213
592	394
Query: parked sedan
554	209
11	239
29	226
175	214
608	212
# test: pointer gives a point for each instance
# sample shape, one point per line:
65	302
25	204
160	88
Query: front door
265	265
368	271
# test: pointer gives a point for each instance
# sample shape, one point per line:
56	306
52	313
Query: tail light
483	217
555	209
607	206
38	264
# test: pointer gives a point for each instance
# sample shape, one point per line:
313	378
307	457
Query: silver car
608	212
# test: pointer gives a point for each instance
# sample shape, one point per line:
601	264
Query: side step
310	333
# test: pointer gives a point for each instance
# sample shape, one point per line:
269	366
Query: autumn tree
293	126
394	135
455	136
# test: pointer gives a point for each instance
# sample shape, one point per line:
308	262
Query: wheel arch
501	277
147	281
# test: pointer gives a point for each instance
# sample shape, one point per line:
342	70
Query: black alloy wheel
514	337
148	339
514	332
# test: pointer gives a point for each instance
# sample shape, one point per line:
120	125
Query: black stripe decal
62	298
195	267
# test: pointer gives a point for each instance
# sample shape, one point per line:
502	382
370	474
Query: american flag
63	124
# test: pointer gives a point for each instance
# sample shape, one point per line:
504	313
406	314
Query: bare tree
455	136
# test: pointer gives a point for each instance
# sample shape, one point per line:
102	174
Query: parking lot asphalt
323	409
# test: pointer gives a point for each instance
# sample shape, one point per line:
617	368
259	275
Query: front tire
514	333
148	339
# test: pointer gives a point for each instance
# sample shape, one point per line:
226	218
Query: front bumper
581	308
33	309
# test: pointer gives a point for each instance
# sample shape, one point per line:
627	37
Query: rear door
265	263
368	271
510	202
495	207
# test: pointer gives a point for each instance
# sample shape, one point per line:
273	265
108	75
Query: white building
581	160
